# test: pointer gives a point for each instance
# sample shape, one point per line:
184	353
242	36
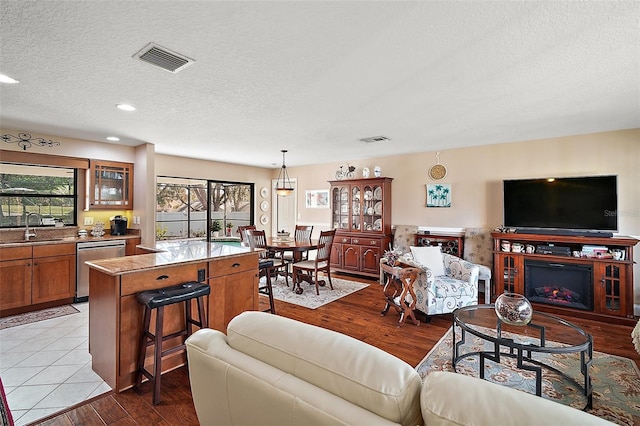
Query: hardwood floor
357	315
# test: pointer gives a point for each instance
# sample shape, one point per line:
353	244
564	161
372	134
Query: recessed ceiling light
113	138
126	107
6	79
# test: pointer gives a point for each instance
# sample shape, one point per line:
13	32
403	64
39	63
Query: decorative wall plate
264	206
264	219
437	171
264	192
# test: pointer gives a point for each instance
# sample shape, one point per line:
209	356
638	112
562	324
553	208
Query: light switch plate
88	221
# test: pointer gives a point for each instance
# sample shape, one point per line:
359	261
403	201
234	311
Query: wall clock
437	171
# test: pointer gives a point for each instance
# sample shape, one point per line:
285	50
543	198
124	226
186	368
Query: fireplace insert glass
555	283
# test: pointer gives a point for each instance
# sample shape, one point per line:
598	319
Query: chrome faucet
28	234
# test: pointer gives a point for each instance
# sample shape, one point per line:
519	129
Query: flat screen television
587	203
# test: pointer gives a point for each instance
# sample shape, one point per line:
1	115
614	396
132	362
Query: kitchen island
115	316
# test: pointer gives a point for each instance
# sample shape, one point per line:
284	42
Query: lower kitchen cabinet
36	275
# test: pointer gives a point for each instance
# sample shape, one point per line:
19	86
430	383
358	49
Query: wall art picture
439	195
317	199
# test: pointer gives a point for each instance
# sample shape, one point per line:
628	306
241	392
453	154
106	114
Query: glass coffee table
545	334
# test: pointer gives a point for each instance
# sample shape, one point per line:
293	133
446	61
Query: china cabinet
551	263
361	216
111	185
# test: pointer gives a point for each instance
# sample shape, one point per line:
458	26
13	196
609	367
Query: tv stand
612	279
565	232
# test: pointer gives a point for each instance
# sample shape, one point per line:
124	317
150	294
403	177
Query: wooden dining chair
320	263
257	239
241	231
302	233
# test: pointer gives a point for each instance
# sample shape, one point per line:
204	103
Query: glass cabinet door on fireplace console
111	185
612	289
510	268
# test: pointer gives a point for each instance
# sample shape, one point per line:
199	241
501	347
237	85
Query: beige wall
476	175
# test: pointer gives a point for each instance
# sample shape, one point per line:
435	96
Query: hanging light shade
283	184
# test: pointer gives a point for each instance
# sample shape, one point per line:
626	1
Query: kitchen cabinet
361	215
15	285
608	281
115	316
35	277
54	273
130	248
111	185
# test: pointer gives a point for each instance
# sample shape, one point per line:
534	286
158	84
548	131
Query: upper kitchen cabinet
111	185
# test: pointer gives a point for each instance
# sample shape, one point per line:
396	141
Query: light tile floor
46	367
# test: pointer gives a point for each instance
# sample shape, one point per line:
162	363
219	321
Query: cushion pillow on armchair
429	257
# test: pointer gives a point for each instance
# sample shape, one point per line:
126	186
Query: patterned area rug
615	380
309	298
29	317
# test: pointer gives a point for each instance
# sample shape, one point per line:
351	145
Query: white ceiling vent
163	58
375	139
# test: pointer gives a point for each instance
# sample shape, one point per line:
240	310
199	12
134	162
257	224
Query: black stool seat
175	294
157	299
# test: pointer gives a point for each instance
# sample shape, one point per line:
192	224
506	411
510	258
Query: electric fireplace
556	283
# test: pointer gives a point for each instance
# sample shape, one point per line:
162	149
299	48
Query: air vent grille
163	58
373	139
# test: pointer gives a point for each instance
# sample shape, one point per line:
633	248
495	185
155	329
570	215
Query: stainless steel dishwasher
93	250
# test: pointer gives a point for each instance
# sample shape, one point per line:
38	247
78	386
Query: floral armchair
453	286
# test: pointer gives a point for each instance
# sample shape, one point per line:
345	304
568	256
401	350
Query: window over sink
49	191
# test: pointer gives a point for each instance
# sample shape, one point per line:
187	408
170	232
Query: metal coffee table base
522	354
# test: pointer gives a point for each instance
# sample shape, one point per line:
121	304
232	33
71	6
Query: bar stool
265	266
158	299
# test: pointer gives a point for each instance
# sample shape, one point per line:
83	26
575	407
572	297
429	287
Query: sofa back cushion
353	370
430	257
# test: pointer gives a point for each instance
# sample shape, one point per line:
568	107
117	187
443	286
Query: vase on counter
514	309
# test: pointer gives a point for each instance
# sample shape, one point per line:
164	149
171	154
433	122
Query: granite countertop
173	252
44	237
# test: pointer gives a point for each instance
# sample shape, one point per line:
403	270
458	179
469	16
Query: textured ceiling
315	77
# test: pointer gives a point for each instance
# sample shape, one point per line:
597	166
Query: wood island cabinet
611	280
111	185
130	247
115	316
361	216
35	277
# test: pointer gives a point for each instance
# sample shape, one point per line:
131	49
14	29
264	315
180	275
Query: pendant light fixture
283	184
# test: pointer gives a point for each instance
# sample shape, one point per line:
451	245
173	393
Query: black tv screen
581	203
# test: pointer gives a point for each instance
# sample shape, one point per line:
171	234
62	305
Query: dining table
298	248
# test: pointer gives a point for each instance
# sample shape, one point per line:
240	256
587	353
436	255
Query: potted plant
229	226
216	226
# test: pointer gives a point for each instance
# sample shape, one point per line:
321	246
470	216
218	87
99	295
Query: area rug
35	316
615	380
309	298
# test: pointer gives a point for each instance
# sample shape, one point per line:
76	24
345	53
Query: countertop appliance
118	225
93	250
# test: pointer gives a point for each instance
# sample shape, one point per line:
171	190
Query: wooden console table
399	281
450	243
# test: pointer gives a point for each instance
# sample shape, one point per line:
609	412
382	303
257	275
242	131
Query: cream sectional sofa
271	370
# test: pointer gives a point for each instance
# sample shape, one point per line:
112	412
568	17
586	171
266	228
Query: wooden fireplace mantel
612	279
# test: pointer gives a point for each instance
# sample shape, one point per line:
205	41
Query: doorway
284	211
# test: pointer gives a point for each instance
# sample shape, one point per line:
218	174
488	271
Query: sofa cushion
334	362
450	399
430	257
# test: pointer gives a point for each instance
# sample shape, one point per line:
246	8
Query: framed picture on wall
317	199
438	195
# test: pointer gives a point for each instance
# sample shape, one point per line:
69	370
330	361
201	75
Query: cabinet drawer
14	253
232	265
343	240
54	250
158	278
366	242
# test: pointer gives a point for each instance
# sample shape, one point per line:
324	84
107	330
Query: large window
183	207
48	191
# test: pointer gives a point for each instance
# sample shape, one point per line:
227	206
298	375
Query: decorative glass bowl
514	309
